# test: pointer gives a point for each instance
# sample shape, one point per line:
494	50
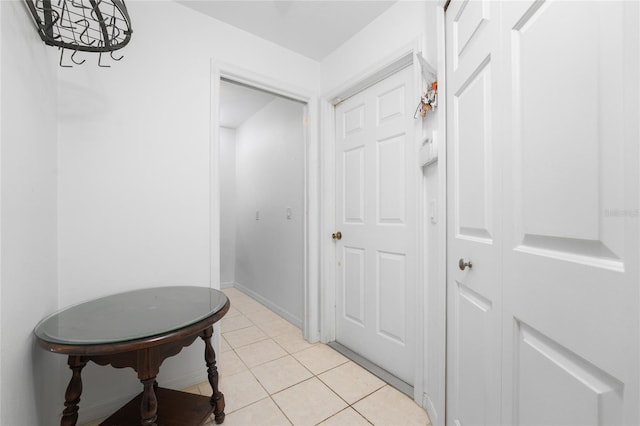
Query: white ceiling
238	103
313	28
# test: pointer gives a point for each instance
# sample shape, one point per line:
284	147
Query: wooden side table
140	329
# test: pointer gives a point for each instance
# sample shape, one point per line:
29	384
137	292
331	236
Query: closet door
543	111
474	204
570	253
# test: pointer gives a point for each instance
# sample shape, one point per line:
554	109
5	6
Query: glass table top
130	316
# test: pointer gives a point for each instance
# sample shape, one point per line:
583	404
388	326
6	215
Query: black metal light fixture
100	26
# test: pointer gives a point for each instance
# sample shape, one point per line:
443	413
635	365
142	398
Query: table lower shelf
175	408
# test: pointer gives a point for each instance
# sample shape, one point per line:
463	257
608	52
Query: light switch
257	214
289	213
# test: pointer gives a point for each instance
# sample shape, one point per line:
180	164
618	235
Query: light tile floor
271	376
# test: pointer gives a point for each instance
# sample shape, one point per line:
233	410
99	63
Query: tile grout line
280	409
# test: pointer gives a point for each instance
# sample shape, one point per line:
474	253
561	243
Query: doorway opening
262	197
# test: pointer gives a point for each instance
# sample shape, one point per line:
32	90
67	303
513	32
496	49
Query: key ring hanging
428	101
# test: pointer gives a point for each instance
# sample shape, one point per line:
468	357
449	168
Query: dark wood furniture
140	329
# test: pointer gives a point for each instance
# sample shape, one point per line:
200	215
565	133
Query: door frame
401	58
311	218
436	303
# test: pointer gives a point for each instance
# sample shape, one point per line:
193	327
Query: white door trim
382	69
311	181
434	400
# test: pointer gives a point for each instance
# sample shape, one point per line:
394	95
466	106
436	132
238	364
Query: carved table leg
148	366
149	405
74	390
217	398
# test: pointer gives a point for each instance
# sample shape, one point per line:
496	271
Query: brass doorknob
337	235
463	265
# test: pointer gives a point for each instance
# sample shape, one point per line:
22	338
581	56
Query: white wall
270	178
134	152
30	375
399	26
227	207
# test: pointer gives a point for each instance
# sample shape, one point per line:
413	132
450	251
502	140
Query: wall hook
61	56
74	60
100	62
114	58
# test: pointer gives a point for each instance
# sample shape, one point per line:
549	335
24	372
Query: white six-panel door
543	179
376	214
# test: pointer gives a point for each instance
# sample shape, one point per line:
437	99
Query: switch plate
429	150
289	213
257	214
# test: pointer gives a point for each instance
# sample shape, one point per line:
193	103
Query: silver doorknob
463	265
337	235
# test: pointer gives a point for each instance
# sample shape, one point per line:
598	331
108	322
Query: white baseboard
229	284
427	404
186	380
269	304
